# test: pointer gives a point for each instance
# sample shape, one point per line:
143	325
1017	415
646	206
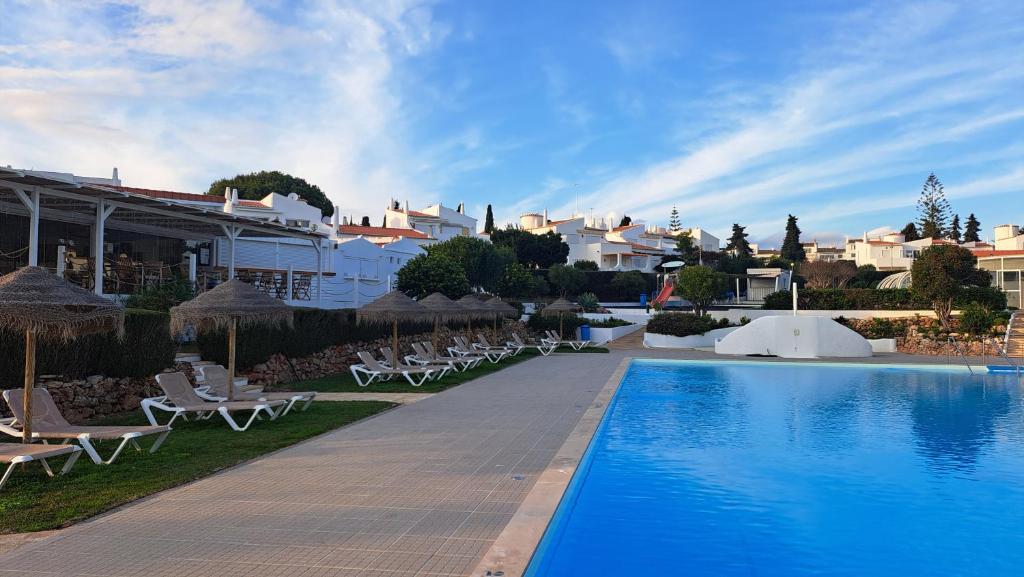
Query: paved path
420	490
400	398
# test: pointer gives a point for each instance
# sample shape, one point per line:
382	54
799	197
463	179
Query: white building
1008	237
437	221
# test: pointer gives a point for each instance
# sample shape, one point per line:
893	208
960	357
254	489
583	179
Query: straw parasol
501	308
560	306
229	305
43	305
391	308
474	310
442	308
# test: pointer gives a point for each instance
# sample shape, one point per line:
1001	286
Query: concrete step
187	357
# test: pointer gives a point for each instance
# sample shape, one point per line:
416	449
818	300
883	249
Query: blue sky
733	111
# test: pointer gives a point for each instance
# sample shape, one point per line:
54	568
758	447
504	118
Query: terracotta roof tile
170	194
381	231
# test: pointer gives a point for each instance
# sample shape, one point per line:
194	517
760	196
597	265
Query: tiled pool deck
424	489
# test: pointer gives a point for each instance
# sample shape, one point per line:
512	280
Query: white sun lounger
218	391
474	357
544	348
371	370
181	399
554	339
482	344
18	453
457	363
48	424
462	348
217	375
390	360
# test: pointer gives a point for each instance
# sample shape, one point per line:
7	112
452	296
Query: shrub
629	285
878	299
566	279
881	328
589	302
433	272
586	265
975	319
701	286
162	297
608	323
683	324
539	323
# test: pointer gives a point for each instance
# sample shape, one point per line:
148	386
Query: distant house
437	222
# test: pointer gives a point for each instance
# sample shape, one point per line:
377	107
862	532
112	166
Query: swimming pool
772	469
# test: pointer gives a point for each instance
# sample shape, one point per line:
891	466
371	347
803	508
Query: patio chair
217	390
473	356
180	398
371	370
483	344
391	360
49	424
462	348
19	453
556	340
544	348
457	363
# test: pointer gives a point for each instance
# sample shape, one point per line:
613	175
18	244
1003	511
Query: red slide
666	291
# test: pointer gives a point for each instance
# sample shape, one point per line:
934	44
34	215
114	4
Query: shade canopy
502	307
36	300
392	307
443	307
561	306
474	307
233	300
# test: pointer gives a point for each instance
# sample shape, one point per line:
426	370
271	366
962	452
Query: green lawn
345	383
31	501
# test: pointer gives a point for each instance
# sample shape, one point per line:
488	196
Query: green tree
700	285
673	220
586	265
257	185
569	281
910	232
973	229
738	241
933	208
517	282
629	285
365	221
428	273
954	230
792	250
626	221
940	275
688	250
489	221
532	250
482	262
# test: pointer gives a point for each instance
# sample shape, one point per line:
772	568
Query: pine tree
933	208
626	221
673	221
792	250
971	233
365	221
738	241
489	221
910	233
954	229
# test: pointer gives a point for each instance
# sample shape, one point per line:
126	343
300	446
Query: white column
232	232
618	261
794	299
62	254
193	260
319	267
288	285
33	230
355	290
102	212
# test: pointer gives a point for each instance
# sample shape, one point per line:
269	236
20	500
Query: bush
146	350
586	265
881	328
433	272
567	280
878	299
683	324
589	302
608	323
570	322
975	319
629	285
162	297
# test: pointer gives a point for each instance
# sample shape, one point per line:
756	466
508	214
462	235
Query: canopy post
394	343
31	202
232	341
560	324
319	267
103	211
30	382
232	232
437	331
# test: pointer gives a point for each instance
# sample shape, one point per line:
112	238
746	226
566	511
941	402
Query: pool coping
511	552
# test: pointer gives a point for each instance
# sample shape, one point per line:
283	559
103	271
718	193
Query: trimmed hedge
878	299
146	350
570	322
313	330
683	324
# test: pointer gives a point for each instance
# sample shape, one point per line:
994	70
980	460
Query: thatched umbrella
34	300
560	306
229	305
474	310
501	309
391	308
442	308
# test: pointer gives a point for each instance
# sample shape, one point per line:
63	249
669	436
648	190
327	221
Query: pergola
60	197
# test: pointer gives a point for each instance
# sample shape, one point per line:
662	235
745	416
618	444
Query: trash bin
643	299
584	332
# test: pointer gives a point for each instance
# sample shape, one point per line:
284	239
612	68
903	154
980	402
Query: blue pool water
789	470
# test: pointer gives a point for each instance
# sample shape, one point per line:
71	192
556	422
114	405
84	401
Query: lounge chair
483	344
391	360
544	348
18	453
462	348
475	357
218	391
217	375
371	370
49	424
556	340
181	399
457	363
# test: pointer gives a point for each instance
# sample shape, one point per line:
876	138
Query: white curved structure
898	280
794	337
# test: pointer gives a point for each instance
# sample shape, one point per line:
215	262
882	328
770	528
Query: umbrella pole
560	335
437	329
394	343
30	382
232	337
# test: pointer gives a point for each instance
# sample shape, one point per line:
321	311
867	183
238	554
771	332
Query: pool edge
512	551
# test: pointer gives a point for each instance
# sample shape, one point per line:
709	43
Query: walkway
420	490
